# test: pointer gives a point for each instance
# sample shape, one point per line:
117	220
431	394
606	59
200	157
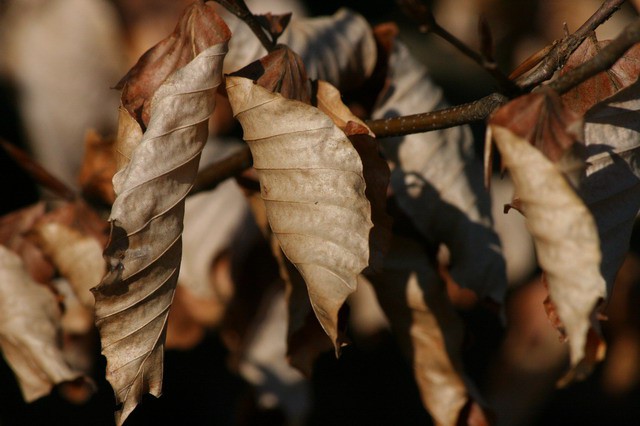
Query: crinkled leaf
565	237
414	299
599	87
339	49
611	188
306	340
311	180
437	181
542	119
144	251
29	330
198	29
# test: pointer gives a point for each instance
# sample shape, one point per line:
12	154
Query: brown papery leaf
542	119
29	330
198	29
281	71
437	181
133	300
565	237
611	188
414	299
98	168
312	182
14	228
599	87
306	340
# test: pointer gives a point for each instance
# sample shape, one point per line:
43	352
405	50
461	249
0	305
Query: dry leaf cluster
328	205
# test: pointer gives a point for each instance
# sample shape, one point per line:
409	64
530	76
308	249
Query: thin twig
435	120
602	61
559	54
420	12
38	173
239	8
470	112
216	173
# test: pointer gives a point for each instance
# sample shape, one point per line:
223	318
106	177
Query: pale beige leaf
77	257
133	300
438	182
129	136
611	188
339	48
76	318
312	183
565	237
30	330
414	299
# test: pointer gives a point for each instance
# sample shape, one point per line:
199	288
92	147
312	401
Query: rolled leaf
144	251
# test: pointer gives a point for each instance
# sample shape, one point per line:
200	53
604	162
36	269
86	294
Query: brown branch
239	9
435	120
216	173
608	56
559	54
38	173
470	112
421	13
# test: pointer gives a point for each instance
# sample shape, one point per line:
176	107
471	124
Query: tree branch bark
482	108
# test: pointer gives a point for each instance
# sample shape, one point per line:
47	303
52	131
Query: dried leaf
306	340
29	330
599	87
77	256
144	250
14	228
542	119
611	188
565	237
312	182
437	181
98	168
198	29
415	300
339	49
281	71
